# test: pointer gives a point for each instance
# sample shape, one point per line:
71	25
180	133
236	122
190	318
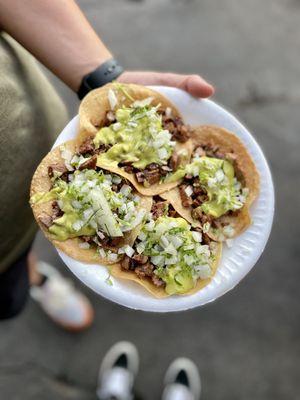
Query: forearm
56	33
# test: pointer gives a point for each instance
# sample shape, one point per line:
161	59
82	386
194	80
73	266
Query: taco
218	185
136	133
169	257
85	211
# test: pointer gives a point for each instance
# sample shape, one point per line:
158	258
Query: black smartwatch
107	72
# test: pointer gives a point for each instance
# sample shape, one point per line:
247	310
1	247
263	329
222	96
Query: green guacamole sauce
217	178
62	228
135	138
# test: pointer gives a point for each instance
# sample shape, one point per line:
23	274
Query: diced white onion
77	225
117	126
170	249
162	153
202	250
101	235
171	261
211	182
125	190
140	247
67	156
229	242
129	251
150	226
197	236
116	179
168	112
164	242
84	245
189	247
204	271
228	231
112	257
176	241
219	175
206	227
76	204
142	236
112	98
102	253
142	103
189	190
189	260
156	260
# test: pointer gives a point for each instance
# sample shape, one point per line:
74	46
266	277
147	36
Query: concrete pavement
247	343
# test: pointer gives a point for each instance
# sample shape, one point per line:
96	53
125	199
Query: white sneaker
117	372
65	305
182	381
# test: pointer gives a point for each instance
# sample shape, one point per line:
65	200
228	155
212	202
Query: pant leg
14	287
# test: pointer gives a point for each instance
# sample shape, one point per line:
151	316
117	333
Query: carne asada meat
58	170
142	270
57	212
87	147
158	209
89	164
140	258
45	219
176	127
151	174
186	200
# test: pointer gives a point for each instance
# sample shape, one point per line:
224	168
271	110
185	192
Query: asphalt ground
246	344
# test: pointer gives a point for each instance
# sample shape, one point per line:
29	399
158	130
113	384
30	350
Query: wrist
104	73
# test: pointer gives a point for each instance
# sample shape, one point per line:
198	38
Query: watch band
105	73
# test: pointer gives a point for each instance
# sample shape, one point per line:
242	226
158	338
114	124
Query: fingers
197	86
193	84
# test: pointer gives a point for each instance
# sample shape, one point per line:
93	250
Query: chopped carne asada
58	170
90	163
176	127
159	208
46	219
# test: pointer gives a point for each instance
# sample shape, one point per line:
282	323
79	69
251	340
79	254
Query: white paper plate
236	261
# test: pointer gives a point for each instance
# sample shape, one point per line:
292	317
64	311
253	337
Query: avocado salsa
141	139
